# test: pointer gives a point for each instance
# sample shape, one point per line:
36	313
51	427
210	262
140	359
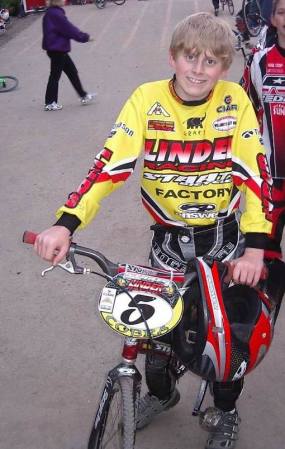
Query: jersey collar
280	49
181	101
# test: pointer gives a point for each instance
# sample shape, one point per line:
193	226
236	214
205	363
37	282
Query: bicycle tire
119	414
8	83
100	3
119	2
231	7
253	22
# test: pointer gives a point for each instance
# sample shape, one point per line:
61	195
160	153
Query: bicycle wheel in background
231	7
114	426
100	3
252	17
119	2
8	83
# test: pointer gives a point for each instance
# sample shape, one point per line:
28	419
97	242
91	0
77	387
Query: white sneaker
149	406
53	106
88	98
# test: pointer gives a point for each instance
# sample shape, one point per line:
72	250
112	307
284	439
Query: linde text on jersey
188	155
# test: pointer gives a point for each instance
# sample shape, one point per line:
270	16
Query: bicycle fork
126	368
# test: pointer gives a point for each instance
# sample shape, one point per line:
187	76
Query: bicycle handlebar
108	267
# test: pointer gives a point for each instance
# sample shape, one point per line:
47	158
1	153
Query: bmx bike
140	303
102	3
8	83
252	17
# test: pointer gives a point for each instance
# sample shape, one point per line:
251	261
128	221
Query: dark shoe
149	406
216	12
222	426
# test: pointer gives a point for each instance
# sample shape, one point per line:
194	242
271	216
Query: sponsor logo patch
195	122
158	109
225	123
160	125
279	109
190	211
250	133
228	106
122	126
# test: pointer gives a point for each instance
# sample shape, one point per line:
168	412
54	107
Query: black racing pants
216	4
172	248
278	219
61	62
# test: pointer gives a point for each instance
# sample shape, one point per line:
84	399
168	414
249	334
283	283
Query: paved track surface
54	348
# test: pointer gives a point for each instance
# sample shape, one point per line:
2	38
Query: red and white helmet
224	334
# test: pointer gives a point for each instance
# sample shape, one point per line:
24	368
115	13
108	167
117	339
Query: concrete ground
54	348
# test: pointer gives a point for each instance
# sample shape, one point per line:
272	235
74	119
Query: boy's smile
196	74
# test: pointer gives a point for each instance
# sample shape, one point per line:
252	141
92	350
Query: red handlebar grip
29	237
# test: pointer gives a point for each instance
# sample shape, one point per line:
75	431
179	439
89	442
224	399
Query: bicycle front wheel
8	83
114	426
231	7
252	17
119	2
100	3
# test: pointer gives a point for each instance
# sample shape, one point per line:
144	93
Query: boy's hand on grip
53	244
248	268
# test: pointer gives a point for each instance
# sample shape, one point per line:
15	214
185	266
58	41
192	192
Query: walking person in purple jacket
57	34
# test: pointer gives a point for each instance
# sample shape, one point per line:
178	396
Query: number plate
131	293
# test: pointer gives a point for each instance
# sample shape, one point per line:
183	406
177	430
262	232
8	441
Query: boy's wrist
69	221
258	240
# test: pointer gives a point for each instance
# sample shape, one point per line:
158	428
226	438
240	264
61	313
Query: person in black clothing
57	34
216	4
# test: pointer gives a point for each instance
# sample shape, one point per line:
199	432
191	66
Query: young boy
196	131
264	81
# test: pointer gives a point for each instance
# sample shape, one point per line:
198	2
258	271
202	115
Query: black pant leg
216	3
71	72
56	67
226	394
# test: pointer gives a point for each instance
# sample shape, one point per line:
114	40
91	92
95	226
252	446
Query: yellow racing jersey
198	159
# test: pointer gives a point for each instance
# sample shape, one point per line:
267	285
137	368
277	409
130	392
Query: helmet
4	14
224	335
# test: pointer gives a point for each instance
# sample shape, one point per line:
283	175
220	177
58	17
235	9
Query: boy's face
196	75
278	20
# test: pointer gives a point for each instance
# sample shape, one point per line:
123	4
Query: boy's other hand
247	269
53	244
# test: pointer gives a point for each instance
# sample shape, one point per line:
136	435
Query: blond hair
203	32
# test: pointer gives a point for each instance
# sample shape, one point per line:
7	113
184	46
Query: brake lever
69	267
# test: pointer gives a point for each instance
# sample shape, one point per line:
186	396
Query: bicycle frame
119	400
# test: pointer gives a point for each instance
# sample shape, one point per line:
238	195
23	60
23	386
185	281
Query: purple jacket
58	31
